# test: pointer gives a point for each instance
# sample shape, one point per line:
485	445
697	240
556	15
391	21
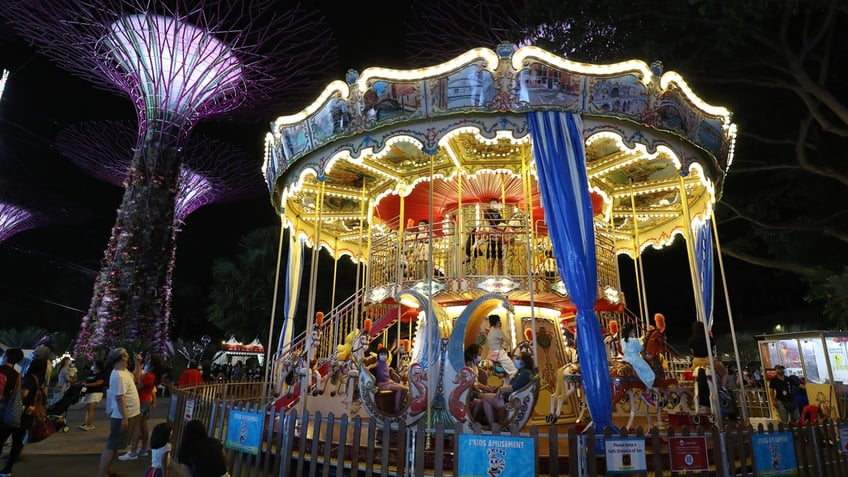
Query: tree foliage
777	65
242	292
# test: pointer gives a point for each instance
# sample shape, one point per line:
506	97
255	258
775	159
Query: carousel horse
564	387
348	365
312	346
336	376
285	375
625	380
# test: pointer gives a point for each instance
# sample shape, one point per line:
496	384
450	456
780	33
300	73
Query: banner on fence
189	410
843	438
626	454
172	408
774	454
244	432
493	456
688	454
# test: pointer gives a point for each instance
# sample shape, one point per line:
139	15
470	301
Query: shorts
89	398
120	439
145	409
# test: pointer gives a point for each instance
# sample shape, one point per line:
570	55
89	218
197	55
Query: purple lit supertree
212	172
20	210
179	62
15	218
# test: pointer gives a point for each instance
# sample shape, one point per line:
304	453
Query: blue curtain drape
294	275
703	237
561	166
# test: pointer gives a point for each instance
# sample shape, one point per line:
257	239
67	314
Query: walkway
76	453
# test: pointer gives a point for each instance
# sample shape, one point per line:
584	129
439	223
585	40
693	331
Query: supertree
20	210
179	62
4	75
213	171
15	218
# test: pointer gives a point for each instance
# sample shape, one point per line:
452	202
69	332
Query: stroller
58	410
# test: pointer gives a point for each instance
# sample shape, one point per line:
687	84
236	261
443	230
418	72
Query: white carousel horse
336	376
285	375
564	387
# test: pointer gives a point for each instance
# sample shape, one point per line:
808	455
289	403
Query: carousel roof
653	148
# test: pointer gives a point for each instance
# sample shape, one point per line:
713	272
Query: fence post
287	428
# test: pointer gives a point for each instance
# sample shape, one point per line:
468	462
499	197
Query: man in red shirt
190	377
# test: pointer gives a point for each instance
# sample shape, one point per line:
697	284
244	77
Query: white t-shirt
157	456
121	383
496	339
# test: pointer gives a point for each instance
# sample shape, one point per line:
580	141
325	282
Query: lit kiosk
821	357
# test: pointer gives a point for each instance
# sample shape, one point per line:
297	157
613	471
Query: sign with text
688	454
189	410
843	438
774	454
493	456
244	431
626	454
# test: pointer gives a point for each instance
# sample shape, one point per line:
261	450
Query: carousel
493	191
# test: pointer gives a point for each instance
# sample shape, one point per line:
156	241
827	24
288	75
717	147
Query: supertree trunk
131	292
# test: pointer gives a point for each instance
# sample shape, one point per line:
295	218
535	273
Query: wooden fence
314	445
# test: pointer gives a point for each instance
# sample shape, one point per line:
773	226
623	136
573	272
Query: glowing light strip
370	74
336	86
674	77
3	79
640	150
630	66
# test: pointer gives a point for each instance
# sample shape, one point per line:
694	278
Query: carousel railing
475	250
294	443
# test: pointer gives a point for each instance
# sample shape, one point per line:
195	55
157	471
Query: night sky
41	99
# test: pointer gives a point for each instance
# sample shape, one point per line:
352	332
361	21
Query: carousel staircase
338	323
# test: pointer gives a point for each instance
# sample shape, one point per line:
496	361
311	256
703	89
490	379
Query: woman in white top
496	339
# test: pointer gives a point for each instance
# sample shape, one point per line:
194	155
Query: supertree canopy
15	218
212	172
179	62
4	75
20	210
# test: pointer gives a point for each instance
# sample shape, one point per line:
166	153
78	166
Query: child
160	451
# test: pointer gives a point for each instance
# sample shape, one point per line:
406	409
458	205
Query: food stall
820	357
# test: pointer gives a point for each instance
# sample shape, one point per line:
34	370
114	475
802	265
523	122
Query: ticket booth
820	357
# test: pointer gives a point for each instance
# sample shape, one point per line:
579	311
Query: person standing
497	342
125	409
494	251
93	385
147	398
191	376
783	396
63	381
700	353
201	455
11	357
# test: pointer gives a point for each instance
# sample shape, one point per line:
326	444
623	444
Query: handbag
42	425
14	407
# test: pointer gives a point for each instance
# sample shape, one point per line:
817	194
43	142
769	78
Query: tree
242	291
179	62
776	64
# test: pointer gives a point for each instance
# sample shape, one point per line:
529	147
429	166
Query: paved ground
76	453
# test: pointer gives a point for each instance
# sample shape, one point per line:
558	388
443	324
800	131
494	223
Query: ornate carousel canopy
390	147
